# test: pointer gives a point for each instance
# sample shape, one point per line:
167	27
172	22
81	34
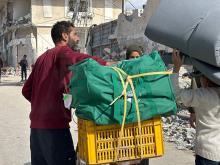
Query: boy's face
134	54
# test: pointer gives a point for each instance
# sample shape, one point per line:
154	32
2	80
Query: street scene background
15	131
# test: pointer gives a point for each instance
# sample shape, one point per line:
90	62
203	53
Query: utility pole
123	6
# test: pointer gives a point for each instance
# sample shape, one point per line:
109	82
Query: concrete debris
23	20
113	56
178	130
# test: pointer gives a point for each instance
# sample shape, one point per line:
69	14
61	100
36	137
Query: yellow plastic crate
98	143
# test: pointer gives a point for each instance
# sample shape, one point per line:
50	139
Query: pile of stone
176	129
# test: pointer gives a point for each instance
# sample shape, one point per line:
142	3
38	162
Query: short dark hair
59	28
133	48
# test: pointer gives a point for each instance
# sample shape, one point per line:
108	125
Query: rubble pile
177	129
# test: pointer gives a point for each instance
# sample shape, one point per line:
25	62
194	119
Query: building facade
25	25
115	36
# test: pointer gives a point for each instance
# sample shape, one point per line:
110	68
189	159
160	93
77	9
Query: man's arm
70	57
82	56
191	97
99	60
109	63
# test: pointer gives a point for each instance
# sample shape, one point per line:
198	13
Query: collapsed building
25	25
112	38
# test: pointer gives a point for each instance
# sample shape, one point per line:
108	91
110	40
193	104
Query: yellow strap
122	82
124	92
149	74
137	111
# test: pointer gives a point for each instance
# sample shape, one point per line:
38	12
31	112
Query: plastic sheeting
190	26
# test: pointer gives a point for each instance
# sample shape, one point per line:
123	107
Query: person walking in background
206	101
24	64
1	66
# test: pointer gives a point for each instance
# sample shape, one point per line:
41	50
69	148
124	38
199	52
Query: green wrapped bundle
96	90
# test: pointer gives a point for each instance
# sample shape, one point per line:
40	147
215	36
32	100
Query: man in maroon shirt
50	139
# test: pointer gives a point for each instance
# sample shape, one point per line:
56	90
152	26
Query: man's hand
192	120
177	61
109	63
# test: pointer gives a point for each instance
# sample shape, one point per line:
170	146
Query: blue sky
137	3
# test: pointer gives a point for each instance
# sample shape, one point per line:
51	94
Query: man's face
73	39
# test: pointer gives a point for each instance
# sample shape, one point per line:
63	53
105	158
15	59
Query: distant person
24	64
1	66
206	101
134	51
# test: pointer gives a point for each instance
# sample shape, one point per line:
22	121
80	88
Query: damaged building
25	25
115	36
16	31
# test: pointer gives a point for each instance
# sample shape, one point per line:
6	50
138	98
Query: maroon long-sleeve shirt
47	83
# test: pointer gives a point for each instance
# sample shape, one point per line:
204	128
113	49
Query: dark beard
74	46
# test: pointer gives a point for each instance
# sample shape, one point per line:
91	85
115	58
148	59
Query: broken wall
130	29
44	40
99	39
25	44
47	12
21	8
126	30
105	10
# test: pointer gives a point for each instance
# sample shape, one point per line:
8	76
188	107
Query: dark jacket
23	63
